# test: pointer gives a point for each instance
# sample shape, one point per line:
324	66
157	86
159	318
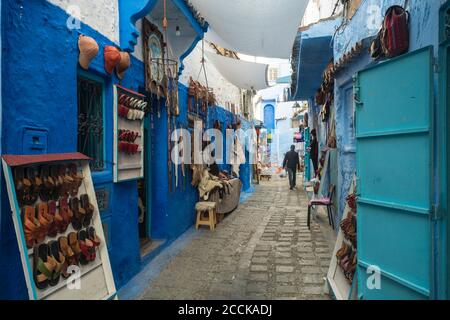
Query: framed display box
129	112
54	181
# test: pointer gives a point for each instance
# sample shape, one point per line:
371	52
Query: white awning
243	74
264	28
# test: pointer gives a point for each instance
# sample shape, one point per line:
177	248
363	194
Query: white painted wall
319	9
223	89
101	15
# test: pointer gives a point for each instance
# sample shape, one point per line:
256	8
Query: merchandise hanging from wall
342	270
123	65
154	52
88	50
129	112
393	38
58	227
112	58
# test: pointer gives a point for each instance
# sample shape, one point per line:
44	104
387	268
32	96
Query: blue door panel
393	132
389	247
398	164
397	96
390	289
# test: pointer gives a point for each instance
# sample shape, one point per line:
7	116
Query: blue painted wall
172	212
39	60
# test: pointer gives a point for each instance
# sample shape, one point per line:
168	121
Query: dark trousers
315	165
292	173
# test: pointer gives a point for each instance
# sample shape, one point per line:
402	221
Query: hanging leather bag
395	38
376	48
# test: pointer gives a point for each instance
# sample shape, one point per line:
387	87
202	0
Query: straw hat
112	58
123	65
88	50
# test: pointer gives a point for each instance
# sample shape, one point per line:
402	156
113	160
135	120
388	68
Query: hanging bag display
395	35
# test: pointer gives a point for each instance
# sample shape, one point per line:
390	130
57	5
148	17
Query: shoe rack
92	281
129	112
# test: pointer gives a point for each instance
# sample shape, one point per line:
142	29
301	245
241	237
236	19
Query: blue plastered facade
39	73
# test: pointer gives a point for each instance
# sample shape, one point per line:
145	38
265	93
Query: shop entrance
394	150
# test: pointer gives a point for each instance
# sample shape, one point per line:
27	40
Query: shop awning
313	50
243	74
264	28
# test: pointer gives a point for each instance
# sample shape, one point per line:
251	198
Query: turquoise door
394	146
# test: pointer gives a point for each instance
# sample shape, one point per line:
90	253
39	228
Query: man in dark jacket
290	163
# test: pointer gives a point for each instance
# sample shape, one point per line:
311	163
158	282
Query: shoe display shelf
93	281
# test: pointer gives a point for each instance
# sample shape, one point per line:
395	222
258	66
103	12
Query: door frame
444	156
148	174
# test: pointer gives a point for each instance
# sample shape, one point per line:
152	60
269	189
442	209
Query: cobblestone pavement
263	250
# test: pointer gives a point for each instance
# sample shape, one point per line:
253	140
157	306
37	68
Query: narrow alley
224	150
263	250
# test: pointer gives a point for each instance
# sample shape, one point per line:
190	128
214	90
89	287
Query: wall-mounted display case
129	112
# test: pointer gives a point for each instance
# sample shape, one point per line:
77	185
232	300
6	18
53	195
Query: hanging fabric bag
395	39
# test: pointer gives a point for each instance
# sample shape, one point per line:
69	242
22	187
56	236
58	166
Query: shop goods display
393	38
129	112
112	58
88	50
123	65
200	97
58	225
342	273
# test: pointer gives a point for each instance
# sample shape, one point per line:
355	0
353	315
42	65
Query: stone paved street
263	250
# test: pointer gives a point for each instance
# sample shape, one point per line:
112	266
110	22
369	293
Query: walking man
290	163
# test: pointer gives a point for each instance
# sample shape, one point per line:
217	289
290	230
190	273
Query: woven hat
88	50
112	58
123	65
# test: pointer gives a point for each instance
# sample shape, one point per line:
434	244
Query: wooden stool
210	209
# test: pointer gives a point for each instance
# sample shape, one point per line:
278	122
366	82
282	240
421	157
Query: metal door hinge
435	213
356	97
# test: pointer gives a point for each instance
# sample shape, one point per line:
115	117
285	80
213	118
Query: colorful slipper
74	245
88	208
87	248
43	266
70	256
60	261
78	214
92	234
31	226
66	215
45	220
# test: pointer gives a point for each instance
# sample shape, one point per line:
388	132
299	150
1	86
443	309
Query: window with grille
90	121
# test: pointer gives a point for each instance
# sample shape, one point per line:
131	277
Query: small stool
210	209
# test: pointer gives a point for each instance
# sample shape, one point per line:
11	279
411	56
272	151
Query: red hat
112	58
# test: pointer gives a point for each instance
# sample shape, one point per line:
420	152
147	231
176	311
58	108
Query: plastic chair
326	202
